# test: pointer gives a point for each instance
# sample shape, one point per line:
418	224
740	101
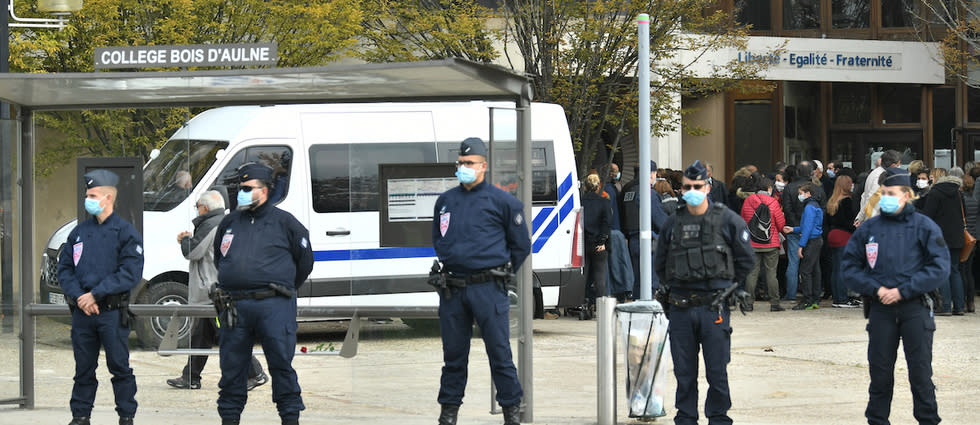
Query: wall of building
709	114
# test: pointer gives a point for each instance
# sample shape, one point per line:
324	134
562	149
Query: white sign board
818	59
196	55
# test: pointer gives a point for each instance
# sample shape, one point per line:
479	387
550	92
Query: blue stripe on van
539	219
373	254
564	208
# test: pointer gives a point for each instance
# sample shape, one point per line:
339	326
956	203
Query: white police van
344	178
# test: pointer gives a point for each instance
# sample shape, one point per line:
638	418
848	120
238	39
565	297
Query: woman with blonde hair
840	219
597	213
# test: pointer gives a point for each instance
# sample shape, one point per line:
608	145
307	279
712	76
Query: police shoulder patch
303	242
745	235
518	219
139	249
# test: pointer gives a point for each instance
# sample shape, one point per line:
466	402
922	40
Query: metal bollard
606	352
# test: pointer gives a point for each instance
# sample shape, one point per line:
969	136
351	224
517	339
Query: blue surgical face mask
618	175
831	174
466	175
694	197
888	204
801	198
92	206
244	199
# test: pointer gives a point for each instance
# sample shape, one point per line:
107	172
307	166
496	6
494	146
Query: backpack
760	224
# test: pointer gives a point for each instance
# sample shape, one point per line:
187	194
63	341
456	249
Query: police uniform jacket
733	231
904	251
253	248
630	210
478	229
199	250
104	259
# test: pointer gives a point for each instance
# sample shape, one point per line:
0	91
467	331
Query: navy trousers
690	330
487	305
272	323
913	323
88	334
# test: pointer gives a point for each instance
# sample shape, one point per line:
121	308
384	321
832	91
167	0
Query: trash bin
643	325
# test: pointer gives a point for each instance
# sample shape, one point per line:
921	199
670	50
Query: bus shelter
442	80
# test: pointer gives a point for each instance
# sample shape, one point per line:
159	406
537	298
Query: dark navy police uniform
630	198
904	250
105	259
473	231
253	248
697	257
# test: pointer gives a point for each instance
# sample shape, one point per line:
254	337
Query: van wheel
150	330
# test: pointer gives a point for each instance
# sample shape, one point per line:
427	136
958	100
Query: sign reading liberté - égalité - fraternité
195	55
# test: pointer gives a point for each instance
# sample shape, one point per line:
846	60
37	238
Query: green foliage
307	34
412	30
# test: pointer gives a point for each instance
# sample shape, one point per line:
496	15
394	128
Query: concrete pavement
792	367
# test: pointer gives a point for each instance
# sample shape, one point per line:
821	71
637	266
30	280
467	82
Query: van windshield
169	178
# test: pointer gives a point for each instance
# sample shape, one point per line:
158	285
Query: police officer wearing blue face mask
263	255
101	262
894	260
478	231
703	249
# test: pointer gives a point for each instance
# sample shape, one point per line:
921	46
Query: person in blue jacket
810	231
101	263
895	260
703	249
263	256
478	231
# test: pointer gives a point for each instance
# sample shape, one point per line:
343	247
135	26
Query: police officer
477	230
894	260
263	255
630	198
101	263
702	250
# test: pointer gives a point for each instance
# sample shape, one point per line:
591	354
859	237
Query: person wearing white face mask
703	248
894	260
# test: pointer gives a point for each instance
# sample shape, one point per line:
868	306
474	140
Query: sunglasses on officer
467	163
695	186
246	188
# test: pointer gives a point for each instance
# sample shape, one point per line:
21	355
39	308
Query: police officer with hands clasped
895	260
263	255
703	250
480	235
102	263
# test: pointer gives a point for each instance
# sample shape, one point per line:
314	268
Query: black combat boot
125	421
290	422
226	421
448	414
512	415
82	420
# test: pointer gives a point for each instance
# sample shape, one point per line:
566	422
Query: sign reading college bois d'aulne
195	55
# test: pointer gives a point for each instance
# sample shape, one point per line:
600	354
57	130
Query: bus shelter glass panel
10	258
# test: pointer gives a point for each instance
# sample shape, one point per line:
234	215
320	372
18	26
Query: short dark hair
804	168
890	157
807	187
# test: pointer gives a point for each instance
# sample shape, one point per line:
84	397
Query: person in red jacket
766	253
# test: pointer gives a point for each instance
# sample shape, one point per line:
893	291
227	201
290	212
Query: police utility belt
108	303
445	282
224	301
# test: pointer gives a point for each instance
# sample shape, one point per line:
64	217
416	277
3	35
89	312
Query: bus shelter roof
446	79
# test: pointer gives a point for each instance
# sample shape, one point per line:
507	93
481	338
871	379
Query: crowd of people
801	217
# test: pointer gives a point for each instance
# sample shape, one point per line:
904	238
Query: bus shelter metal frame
450	79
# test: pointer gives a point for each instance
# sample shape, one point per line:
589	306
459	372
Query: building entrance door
856	148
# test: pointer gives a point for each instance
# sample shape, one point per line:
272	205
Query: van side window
503	168
279	158
345	177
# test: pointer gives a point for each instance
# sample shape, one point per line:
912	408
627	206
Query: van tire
150	330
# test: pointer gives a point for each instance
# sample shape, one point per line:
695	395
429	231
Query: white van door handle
338	232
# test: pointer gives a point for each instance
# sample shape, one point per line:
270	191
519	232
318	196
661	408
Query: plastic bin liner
643	325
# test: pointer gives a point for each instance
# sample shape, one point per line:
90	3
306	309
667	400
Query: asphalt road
793	367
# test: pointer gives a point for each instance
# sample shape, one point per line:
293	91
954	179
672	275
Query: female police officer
895	259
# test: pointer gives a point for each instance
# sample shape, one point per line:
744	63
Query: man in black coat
719	192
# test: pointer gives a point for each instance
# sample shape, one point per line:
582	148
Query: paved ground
793	367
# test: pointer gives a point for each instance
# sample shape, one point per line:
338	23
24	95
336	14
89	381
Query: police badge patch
76	252
871	252
443	223
226	244
518	219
